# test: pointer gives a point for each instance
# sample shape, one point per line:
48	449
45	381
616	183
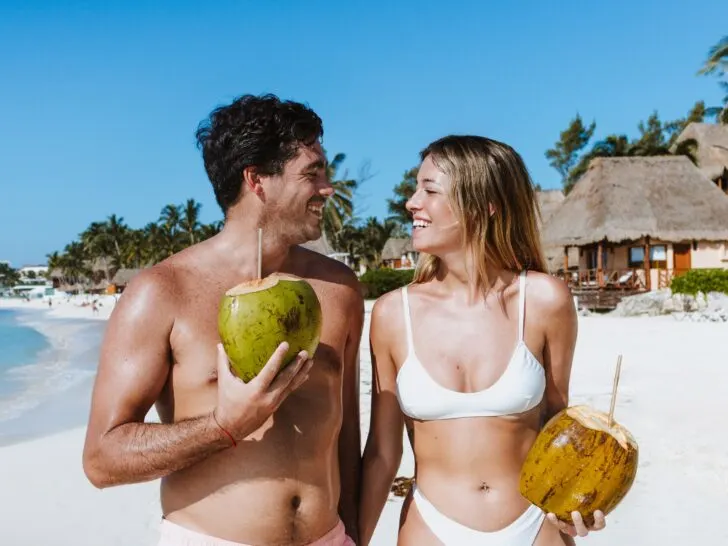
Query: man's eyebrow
315	164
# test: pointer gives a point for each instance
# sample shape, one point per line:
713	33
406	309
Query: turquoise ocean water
47	367
19	345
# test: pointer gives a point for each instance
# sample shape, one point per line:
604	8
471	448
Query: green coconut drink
256	316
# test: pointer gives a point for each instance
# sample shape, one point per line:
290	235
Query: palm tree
339	207
159	243
75	262
54	260
135	251
652	142
8	275
720	113
210	230
348	239
190	221
374	236
104	241
717	61
116	230
717	64
97	246
402	192
168	236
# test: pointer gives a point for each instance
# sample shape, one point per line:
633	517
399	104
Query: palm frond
717	61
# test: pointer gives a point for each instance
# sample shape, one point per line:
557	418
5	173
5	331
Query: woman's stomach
469	469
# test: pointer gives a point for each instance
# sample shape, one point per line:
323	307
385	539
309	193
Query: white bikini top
519	389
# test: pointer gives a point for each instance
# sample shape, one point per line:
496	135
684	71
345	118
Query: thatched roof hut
627	198
549	201
395	248
123	276
712	153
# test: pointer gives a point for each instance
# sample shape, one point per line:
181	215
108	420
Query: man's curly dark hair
261	131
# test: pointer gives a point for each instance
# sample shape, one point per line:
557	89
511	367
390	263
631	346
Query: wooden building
398	253
637	222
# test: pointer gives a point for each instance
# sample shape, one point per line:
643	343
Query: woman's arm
561	328
383	450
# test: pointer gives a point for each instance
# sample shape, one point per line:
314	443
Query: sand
671	396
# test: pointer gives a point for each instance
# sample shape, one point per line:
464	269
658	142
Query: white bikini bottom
521	532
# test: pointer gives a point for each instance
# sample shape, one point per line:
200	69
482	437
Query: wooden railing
665	276
632	279
618	279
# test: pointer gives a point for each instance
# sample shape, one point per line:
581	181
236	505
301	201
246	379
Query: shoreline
52	394
65	307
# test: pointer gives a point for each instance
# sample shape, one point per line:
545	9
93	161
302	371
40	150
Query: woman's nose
413	203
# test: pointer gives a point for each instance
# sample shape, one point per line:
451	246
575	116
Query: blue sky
99	105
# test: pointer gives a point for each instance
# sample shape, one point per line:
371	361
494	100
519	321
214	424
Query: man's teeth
420	224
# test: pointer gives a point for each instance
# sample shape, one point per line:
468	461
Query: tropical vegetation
110	244
571	159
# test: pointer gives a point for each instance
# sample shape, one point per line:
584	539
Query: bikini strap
521	304
407	320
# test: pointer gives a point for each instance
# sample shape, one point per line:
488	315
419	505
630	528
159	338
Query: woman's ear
491	209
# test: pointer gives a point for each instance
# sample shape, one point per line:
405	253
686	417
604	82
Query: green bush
700	280
376	282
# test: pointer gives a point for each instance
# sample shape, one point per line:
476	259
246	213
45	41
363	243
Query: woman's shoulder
547	292
388	305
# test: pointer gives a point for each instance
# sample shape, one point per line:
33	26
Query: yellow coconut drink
258	315
581	461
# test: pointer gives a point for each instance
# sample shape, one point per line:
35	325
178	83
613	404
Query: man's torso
281	484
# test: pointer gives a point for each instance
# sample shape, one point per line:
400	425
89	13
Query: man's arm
133	368
350	435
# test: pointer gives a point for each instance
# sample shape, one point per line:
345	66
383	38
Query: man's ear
252	181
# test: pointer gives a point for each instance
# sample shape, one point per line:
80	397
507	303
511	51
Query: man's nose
326	188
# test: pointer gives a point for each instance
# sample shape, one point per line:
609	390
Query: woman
474	356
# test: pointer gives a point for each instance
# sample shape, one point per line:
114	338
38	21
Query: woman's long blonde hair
486	172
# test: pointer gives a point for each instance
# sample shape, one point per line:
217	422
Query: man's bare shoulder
548	295
184	267
318	266
153	289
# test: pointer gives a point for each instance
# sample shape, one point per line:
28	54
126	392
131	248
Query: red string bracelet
225	431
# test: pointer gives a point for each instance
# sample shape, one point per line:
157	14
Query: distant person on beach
473	357
272	461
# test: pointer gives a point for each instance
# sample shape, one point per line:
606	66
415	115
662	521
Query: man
272	461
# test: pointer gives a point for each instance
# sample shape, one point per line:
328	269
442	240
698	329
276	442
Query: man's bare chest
195	335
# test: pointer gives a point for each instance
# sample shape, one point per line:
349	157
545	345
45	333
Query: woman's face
435	229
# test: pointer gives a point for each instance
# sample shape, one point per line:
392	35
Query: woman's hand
579	528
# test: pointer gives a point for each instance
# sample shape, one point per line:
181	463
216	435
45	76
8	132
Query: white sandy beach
671	396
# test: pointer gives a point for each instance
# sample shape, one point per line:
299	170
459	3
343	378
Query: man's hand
242	407
579	528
